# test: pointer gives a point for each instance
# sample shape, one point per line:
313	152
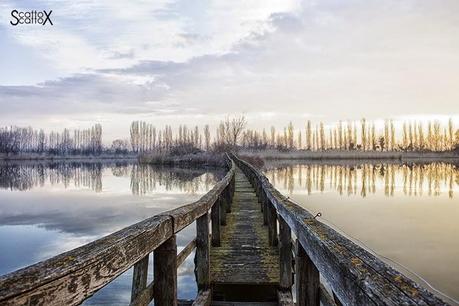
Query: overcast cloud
195	62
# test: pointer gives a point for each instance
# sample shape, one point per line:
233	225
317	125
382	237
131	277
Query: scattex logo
31	17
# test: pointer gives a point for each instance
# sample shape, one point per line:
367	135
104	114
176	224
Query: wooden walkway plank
244	256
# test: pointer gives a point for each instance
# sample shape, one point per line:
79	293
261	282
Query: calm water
46	209
407	214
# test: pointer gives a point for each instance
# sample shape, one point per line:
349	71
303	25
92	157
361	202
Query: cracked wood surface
244	256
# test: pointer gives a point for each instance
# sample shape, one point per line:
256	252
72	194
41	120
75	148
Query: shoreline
355	156
39	157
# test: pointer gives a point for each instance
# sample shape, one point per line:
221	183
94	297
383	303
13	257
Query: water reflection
49	208
412	179
144	178
407	213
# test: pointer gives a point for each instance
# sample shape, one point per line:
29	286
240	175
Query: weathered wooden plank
144	297
215	217
202	257
325	298
147	294
165	273
204	298
139	277
244	256
284	298
187	214
223	203
336	300
71	277
308	279
226	303
227	195
272	224
355	275
186	252
285	255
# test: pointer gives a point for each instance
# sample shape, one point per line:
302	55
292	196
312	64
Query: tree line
27	140
232	133
362	135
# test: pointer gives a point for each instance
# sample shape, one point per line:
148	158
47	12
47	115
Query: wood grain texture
202	267
325	298
186	252
284	298
71	277
244	256
204	298
165	273
356	276
285	255
145	296
139	277
215	217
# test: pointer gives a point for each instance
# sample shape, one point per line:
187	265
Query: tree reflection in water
143	178
432	179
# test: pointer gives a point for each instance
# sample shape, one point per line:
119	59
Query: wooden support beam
285	255
202	257
272	225
307	279
325	298
265	211
263	200
204	298
145	297
222	202
165	273
228	198
284	298
215	216
139	277
186	252
336	300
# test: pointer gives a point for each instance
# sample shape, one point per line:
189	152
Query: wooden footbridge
253	247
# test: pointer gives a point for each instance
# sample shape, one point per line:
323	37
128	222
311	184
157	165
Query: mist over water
50	208
406	213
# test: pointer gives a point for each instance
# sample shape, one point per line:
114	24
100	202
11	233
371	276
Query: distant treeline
27	140
231	133
430	136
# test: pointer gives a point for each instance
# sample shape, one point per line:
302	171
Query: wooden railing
72	277
355	276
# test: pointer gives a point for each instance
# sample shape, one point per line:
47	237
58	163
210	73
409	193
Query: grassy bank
206	159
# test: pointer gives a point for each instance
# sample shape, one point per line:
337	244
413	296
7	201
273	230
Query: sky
196	62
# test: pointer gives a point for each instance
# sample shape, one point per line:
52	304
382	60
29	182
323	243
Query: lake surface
407	214
46	209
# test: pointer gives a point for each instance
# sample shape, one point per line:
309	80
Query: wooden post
272	224
223	204
139	277
227	195
264	199
233	187
215	216
307	279
336	300
165	273
202	257
285	255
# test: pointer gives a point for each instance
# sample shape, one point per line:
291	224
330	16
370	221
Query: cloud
329	59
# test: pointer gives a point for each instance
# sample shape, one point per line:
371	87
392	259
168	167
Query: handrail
73	276
355	276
